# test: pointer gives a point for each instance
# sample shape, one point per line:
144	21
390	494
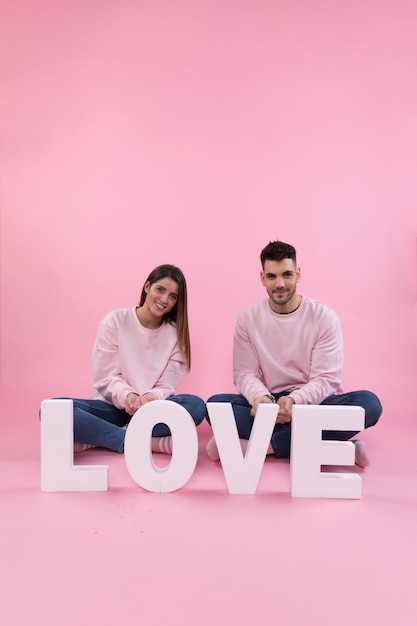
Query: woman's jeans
101	424
281	435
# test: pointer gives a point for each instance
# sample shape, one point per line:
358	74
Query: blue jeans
101	424
281	435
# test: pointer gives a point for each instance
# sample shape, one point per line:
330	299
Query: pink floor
201	556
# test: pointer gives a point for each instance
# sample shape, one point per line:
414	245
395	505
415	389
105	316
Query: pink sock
82	447
361	453
162	444
213	453
211	449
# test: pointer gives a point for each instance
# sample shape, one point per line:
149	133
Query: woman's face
161	296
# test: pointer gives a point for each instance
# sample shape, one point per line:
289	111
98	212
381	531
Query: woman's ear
147	286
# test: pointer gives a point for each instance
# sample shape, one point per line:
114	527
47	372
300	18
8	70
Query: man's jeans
101	424
281	435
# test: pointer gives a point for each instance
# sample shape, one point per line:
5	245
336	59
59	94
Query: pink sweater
127	357
301	352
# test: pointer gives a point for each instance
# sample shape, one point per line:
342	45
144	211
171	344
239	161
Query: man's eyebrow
286	273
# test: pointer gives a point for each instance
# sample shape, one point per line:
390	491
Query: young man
288	349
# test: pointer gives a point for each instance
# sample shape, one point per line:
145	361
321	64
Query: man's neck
288	307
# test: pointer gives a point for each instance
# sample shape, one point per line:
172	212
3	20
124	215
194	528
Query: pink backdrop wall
192	132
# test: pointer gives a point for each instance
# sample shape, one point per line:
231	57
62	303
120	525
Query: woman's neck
147	320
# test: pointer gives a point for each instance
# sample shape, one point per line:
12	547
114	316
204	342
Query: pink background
137	133
134	133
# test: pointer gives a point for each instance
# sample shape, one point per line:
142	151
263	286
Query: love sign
242	471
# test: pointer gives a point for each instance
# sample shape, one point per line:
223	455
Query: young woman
141	354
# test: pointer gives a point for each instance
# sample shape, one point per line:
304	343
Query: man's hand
133	402
257	402
285	409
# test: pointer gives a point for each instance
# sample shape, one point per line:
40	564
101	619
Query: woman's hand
148	397
133	402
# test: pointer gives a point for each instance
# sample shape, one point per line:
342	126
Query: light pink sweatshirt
127	357
301	352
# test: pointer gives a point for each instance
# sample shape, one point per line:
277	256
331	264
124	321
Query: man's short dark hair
277	251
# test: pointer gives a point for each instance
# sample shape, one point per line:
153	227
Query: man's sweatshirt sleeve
247	373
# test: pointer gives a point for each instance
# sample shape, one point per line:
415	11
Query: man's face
280	279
